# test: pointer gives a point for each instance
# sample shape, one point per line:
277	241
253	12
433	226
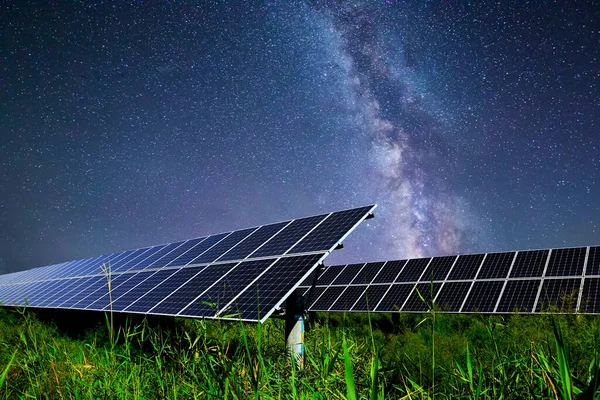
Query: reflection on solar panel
245	274
563	280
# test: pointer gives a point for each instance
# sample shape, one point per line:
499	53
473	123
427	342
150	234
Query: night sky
475	128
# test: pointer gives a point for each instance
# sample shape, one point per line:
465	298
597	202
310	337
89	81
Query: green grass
348	356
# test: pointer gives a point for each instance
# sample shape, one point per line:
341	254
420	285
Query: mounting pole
294	329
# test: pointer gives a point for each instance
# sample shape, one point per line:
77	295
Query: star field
474	127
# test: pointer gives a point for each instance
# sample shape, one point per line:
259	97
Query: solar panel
244	274
564	280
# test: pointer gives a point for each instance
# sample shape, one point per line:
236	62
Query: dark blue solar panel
168	259
421	299
393	300
348	274
144	287
466	267
559	295
327	298
330	231
496	265
288	237
127	262
61	287
177	299
92	296
224	245
366	275
519	295
370	298
164	289
195	251
264	294
91	286
95	267
529	264
483	296
252	242
156	257
389	271
438	269
593	262
566	262
590	299
413	270
219	294
128	282
348	298
74	287
36	295
329	275
452	295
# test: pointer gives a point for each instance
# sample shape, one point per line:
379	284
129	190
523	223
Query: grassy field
348	356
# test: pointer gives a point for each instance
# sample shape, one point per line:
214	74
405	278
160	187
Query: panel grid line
506	280
472	284
537	296
583	274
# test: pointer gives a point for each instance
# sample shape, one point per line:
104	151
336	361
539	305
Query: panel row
311	234
389	285
248	290
568	262
495	296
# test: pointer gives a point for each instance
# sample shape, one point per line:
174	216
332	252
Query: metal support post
294	329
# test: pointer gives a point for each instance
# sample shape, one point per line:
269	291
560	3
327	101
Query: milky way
475	128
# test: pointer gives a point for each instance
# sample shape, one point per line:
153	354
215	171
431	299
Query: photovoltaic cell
466	267
566	262
127	262
483	296
452	295
327	298
218	249
593	262
413	270
590	299
496	265
331	230
312	295
519	295
164	289
197	250
328	276
394	298
559	295
422	296
348	274
122	298
389	271
309	280
269	289
216	277
348	298
288	237
144	287
366	275
252	242
370	298
438	269
529	264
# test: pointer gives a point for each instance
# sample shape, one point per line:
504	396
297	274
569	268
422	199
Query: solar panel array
533	281
244	274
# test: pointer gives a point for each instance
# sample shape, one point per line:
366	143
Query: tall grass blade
350	388
562	353
5	371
